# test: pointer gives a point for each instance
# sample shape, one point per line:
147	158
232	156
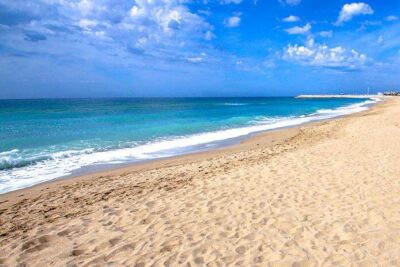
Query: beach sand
325	194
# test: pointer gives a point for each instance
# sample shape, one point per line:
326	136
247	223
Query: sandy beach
324	194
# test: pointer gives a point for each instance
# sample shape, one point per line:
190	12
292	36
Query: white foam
234	104
64	163
6	153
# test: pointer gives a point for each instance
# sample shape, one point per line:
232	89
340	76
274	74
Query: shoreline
219	145
267	137
274	137
325	193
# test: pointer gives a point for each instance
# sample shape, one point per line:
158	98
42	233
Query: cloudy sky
87	48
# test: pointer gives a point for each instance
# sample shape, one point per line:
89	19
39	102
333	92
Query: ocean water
46	139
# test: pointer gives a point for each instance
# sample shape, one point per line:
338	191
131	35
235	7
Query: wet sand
324	194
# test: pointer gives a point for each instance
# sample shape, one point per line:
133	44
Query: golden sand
326	194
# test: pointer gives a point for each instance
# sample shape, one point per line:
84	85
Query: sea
46	139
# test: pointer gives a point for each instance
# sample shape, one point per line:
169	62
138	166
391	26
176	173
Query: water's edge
215	144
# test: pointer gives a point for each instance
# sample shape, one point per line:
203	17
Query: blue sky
89	48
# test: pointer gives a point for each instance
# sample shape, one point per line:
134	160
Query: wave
12	159
233	104
6	153
341	111
18	172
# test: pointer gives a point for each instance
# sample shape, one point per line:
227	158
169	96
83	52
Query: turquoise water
46	139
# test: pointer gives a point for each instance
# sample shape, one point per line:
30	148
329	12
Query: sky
158	48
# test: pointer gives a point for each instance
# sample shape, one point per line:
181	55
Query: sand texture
326	194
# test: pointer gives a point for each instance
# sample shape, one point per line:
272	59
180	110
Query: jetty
342	96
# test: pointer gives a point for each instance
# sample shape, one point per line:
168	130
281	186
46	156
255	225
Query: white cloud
380	39
326	34
291	19
310	42
197	59
392	18
233	21
299	30
164	31
354	9
87	23
209	35
165	23
321	55
168	17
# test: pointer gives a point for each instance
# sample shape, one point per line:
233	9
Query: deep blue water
45	139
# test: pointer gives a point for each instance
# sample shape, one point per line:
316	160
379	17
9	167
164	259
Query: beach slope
326	194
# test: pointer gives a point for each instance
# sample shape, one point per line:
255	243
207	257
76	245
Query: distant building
392	93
